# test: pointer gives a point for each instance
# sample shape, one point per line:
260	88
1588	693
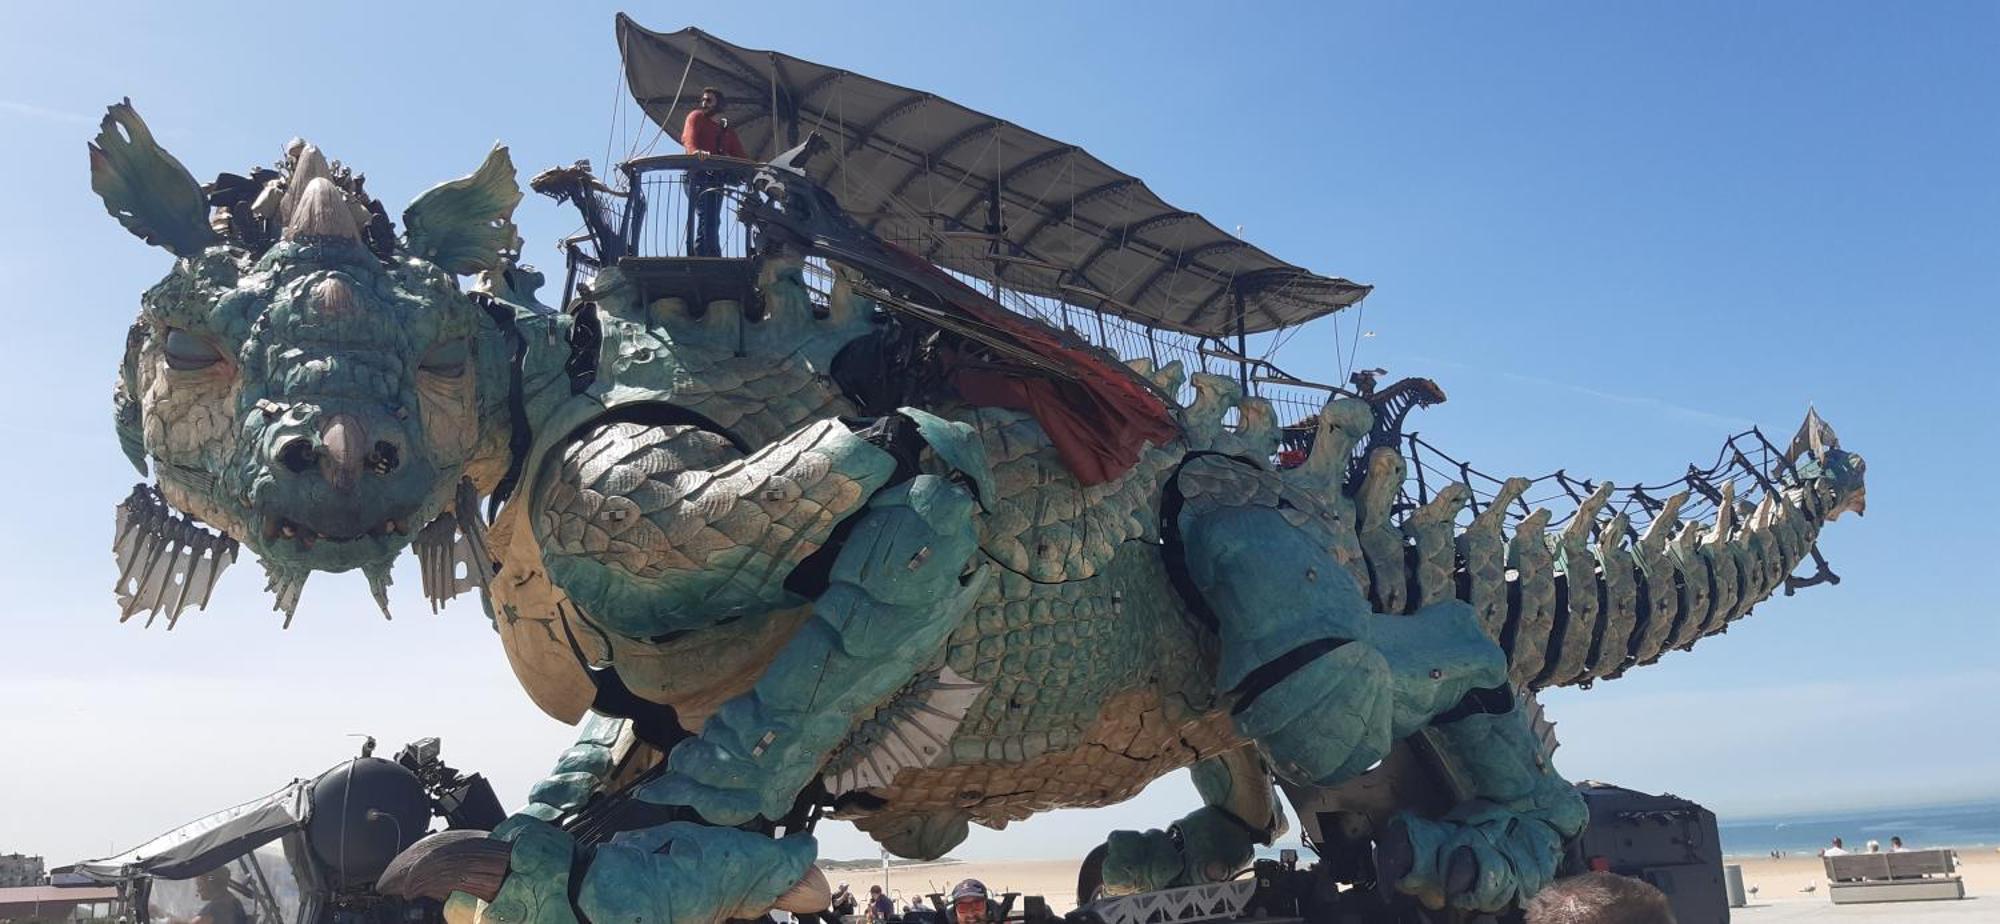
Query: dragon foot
1209	845
676	873
1480	858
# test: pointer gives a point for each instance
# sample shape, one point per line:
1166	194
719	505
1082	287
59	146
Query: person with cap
880	907
841	905
968	903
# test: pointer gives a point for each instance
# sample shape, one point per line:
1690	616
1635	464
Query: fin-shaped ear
466	225
145	188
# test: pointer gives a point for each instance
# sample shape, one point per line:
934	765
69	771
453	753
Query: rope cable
678	89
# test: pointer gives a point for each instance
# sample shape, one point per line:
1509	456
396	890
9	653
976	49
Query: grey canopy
199	846
927	173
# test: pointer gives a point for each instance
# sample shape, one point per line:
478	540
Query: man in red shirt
706	133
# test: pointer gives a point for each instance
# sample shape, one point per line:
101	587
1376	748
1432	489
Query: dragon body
768	598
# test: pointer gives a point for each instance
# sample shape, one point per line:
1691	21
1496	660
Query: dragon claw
471	862
1140	861
1485	862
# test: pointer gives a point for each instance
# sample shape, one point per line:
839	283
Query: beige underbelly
543	632
1138	738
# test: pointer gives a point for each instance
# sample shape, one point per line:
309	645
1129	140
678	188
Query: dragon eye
188	352
446	359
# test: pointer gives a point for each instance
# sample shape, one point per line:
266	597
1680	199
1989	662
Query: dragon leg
899	585
1211	844
1325	686
580	772
677	873
1501	845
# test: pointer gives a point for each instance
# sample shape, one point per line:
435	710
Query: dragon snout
342	474
345	443
341	452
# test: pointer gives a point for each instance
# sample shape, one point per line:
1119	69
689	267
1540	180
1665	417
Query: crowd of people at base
1592	898
1839	848
969	905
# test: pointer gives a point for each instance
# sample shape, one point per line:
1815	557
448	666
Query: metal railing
661	218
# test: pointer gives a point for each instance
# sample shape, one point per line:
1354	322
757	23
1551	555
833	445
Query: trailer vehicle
308	853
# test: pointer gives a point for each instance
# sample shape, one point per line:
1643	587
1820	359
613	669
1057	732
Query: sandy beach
1052	879
1776	881
1785	879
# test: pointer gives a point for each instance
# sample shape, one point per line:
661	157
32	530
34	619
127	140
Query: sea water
1972	824
1964	825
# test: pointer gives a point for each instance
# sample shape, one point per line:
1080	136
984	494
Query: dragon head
303	380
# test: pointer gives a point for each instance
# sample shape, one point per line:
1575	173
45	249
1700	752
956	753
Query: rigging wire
617	92
678	90
1354	347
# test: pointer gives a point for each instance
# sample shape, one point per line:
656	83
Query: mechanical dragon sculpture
769	598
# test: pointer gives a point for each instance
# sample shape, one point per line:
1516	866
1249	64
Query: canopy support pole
784	108
1242	341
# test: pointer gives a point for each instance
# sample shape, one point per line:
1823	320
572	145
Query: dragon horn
308	164
321	213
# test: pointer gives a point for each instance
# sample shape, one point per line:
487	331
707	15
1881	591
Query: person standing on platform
705	134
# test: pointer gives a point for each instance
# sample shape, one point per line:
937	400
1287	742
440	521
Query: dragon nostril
384	459
298	455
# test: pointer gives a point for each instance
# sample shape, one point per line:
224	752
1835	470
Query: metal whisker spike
378	585
285	583
455	540
166	561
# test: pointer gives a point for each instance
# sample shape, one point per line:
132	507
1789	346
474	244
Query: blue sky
1614	232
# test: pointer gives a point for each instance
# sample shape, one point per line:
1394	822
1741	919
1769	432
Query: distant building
18	869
